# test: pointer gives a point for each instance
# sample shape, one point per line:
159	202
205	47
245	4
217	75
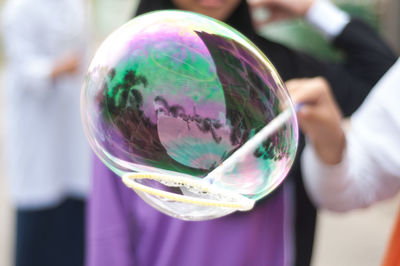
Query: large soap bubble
171	97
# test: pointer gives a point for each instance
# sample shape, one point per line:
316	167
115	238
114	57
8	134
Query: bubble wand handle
250	146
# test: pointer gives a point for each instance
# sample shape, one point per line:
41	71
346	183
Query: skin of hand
218	9
319	117
281	9
67	65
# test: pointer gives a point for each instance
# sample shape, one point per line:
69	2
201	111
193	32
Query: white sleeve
370	169
24	49
327	18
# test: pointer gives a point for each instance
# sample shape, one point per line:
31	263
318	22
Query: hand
281	9
68	65
320	118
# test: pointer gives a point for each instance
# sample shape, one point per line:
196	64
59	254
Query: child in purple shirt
124	230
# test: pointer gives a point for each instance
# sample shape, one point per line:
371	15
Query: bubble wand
250	145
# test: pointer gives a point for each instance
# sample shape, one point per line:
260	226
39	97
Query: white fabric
46	153
370	169
327	18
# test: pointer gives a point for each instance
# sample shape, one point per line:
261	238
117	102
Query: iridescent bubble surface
177	93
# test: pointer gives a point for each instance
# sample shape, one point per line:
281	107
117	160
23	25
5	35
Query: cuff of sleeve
323	180
324	170
327	18
40	68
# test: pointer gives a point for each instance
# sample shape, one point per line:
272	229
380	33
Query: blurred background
356	238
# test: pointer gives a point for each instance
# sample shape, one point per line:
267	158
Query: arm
28	52
367	56
68	65
322	14
23	53
109	238
368	169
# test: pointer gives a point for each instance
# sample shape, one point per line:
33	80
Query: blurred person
47	157
124	230
349	169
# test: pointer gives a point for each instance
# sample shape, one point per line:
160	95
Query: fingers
72	65
308	91
319	116
318	105
272	17
292	7
267	11
67	65
306	114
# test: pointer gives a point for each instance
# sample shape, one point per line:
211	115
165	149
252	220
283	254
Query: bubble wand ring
232	200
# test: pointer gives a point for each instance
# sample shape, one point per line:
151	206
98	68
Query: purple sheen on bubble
176	92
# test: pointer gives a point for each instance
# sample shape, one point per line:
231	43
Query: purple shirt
123	230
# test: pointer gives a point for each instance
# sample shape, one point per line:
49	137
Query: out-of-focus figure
344	170
46	152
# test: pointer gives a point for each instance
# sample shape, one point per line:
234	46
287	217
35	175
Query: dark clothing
45	239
